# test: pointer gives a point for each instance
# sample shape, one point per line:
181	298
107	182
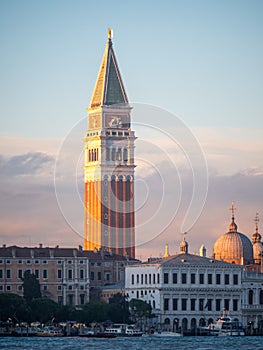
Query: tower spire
233	226
256	222
109	88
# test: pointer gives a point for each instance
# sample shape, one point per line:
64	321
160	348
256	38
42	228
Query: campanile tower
109	163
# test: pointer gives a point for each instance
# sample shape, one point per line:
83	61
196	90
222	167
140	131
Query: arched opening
167	324
250	297
193	324
201	322
176	325
210	321
184	324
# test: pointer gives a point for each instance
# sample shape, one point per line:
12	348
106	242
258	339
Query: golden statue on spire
110	33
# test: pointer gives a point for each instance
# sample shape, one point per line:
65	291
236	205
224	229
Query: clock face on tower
115	122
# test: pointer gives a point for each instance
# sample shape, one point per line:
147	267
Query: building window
145	278
165	278
28	262
235	304
59	273
81	274
166	304
82	299
235	279
44	262
193	304
59	262
70	299
132	279
209	304
250	297
174	278
44	273
20	273
37	273
184	304
218	305
60	300
201	304
226	304
1	273
99	276
59	288
1	261
70	274
138	279
150	279
8	262
70	287
184	281
69	262
218	278
8	273
141	278
8	288
81	262
137	294
92	275
192	278
154	279
261	297
20	261
20	288
175	304
201	278
45	288
227	278
36	262
209	278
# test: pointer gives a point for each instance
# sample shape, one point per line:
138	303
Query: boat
50	332
124	330
166	334
225	326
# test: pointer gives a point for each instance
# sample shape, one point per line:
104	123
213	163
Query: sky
194	65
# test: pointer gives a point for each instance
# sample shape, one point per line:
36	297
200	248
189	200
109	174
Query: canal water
140	343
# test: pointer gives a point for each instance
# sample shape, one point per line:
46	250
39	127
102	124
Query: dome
233	247
184	247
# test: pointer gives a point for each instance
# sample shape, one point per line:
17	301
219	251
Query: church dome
233	247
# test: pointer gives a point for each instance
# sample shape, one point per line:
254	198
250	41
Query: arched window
250	297
132	279
125	155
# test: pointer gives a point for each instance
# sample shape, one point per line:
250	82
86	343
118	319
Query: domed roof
233	246
257	251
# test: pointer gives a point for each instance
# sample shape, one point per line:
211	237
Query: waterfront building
186	291
109	163
66	275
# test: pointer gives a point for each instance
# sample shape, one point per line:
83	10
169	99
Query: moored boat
124	330
225	326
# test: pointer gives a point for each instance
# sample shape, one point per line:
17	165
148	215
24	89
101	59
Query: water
141	343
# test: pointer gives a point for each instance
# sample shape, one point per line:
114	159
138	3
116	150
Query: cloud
25	164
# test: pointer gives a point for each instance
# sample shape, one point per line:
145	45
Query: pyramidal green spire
109	88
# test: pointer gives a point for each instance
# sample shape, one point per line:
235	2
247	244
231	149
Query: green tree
44	309
119	308
13	306
140	309
31	287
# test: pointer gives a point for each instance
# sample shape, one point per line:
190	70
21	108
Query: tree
119	308
13	306
140	309
44	309
31	286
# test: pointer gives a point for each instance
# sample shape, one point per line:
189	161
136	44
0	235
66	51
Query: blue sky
199	59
